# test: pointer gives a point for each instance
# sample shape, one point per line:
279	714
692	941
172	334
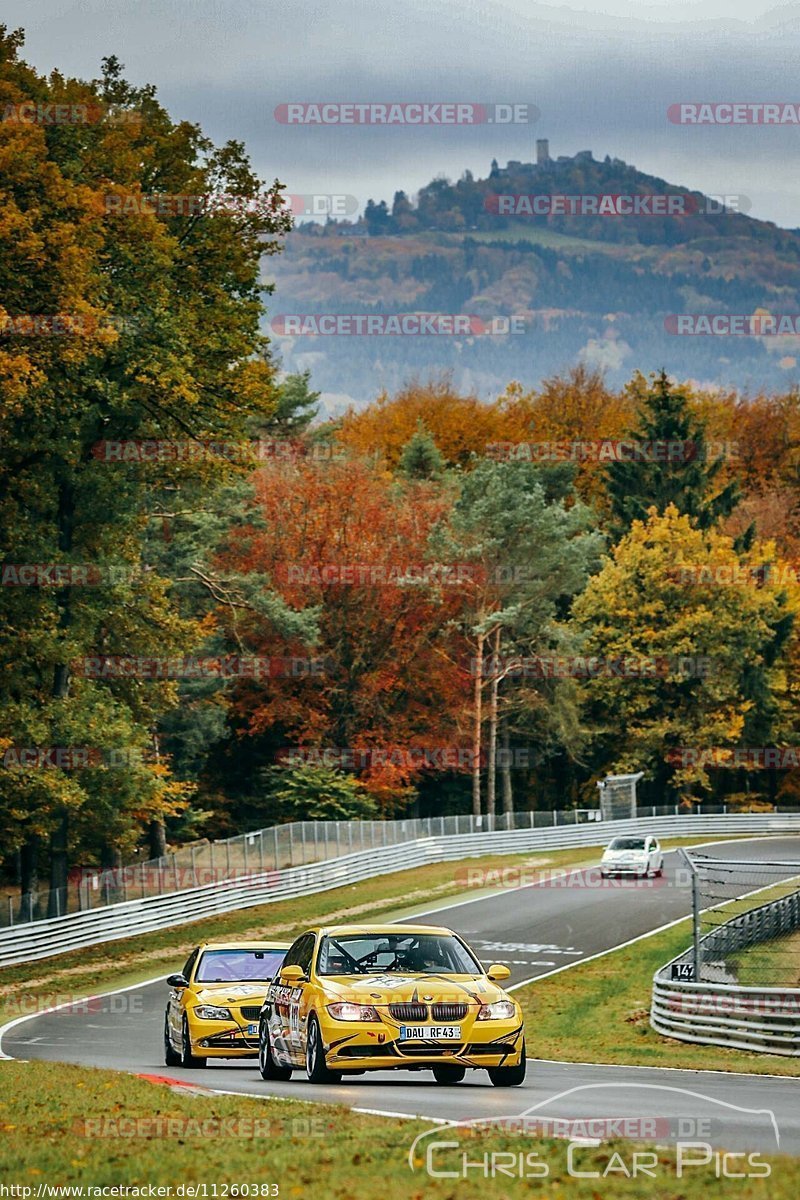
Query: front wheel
266	1063
509	1076
188	1059
171	1056
316	1067
447	1074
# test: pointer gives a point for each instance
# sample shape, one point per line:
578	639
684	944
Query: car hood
403	988
613	855
233	993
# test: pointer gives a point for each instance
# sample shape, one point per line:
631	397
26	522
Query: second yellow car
215	1002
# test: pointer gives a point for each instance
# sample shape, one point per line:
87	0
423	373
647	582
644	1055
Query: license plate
252	1030
438	1033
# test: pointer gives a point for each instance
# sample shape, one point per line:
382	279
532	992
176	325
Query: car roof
244	945
403	930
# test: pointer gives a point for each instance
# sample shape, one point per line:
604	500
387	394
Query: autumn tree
697	637
123	322
669	465
345	542
529	543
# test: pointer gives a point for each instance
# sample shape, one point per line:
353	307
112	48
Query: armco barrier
761	1019
42	939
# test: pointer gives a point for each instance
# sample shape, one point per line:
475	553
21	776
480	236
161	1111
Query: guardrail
57	935
761	1019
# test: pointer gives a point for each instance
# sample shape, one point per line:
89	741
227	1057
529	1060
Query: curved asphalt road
535	930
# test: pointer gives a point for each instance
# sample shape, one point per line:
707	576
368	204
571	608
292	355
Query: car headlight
210	1012
501	1010
353	1012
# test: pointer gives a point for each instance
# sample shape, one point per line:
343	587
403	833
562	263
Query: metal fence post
291	843
695	916
275	835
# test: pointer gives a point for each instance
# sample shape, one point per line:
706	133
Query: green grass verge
599	1012
769	964
79	1126
130	960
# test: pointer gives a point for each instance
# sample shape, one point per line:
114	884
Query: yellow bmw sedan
356	998
215	1001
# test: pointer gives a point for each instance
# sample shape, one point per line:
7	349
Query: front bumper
224	1039
358	1046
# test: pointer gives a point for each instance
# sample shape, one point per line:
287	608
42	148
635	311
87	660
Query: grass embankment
79	1126
769	964
600	1012
130	960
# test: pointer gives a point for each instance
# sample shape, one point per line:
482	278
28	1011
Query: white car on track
632	854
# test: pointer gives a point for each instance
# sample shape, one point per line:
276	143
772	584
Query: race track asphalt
534	929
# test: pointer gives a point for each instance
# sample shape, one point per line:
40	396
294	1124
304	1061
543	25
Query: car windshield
629	843
239	966
417	953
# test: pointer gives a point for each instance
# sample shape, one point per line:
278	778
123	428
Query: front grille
409	1012
449	1012
251	1012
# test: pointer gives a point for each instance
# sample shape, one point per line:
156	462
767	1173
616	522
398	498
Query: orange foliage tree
347	541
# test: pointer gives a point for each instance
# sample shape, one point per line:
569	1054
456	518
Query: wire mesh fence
746	922
275	848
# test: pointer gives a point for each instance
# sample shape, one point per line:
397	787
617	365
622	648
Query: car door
286	1001
178	998
658	857
301	1005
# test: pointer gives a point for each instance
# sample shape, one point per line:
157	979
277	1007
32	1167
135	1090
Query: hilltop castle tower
542	151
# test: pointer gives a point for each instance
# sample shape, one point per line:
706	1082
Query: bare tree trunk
477	717
29	879
59	841
157	836
157	831
491	776
505	768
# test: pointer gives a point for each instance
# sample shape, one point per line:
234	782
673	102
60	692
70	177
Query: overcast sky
602	75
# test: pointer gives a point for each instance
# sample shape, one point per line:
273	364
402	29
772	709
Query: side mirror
177	981
498	971
293	974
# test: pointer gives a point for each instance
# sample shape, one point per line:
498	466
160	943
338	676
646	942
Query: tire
171	1056
189	1060
509	1076
660	871
266	1063
316	1067
449	1074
